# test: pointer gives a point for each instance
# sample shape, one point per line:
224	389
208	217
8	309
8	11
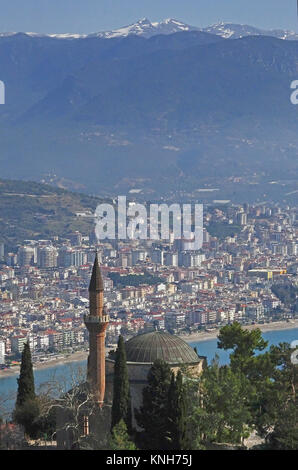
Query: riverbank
276	326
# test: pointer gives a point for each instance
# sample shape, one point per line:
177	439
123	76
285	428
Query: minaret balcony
93	319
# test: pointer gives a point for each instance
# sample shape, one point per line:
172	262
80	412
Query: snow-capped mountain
236	31
164	112
143	27
147	29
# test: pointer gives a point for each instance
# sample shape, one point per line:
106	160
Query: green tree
26	410
26	388
254	392
260	370
121	407
120	439
277	419
177	416
285	433
153	414
27	415
194	410
244	344
226	413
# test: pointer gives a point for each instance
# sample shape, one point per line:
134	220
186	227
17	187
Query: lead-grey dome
148	347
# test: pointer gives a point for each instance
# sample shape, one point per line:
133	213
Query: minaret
96	323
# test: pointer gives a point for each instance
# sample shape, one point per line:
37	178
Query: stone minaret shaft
96	322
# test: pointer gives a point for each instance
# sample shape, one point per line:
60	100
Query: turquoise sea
65	373
209	347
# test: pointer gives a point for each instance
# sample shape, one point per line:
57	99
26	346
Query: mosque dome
148	347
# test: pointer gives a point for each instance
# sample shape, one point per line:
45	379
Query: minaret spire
96	291
96	282
96	322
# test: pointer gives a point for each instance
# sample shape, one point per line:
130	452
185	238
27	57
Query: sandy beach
276	326
195	337
75	357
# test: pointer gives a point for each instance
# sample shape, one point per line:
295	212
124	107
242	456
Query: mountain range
161	107
144	27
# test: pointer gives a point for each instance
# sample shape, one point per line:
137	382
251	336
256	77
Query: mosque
141	351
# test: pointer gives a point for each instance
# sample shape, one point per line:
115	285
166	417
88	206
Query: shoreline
75	357
194	337
276	326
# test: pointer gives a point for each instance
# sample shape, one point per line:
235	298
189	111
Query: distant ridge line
144	27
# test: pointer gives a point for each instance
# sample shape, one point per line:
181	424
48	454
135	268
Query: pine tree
153	414
121	407
225	396
26	409
285	433
278	420
243	343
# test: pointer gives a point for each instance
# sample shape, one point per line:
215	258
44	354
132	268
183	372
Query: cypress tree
121	407
27	409
177	414
26	388
153	414
172	403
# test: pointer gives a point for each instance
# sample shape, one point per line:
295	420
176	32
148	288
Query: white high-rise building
2	352
25	256
47	257
1	251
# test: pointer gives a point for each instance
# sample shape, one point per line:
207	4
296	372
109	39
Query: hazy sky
85	16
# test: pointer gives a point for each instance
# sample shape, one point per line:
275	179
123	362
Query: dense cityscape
246	271
148	230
